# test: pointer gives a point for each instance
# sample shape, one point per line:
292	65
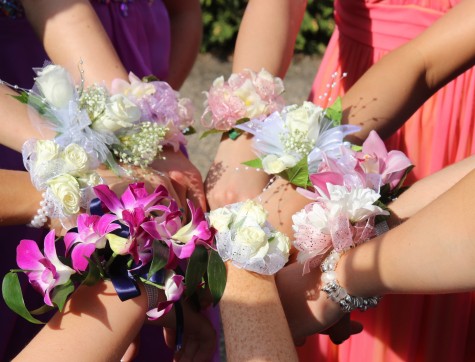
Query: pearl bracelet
337	293
42	213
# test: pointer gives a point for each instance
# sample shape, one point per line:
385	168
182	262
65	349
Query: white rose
251	212
220	219
281	242
254	238
46	150
298	120
119	113
76	159
66	190
56	85
273	164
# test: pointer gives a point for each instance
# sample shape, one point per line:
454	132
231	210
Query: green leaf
160	258
23	97
196	269
257	163
234	133
93	274
150	78
334	112
243	120
356	148
216	276
298	175
61	294
42	310
189	131
13	297
209	132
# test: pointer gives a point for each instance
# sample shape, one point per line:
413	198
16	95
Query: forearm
392	90
423	192
267	35
19	197
94	316
186	28
71	31
17	127
432	252
253	319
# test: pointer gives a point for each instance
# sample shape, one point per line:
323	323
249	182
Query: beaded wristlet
337	293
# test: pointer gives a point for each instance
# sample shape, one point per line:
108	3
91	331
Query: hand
199	337
185	177
150	177
308	310
226	185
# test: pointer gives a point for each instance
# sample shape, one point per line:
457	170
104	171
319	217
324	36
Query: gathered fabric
441	132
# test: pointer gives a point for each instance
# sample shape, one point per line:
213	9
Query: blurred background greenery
221	20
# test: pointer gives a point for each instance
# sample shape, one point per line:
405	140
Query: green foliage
221	19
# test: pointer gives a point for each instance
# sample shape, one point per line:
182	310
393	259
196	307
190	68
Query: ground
297	83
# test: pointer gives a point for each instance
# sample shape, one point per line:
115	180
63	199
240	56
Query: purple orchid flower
174	289
44	272
91	235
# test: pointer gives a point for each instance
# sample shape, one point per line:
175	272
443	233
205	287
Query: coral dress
140	32
404	328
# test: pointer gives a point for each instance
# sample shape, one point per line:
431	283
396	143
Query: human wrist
337	290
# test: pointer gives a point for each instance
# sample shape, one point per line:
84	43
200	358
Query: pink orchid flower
166	224
135	196
174	289
44	272
375	158
197	231
91	235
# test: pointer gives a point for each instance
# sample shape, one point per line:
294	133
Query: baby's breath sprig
140	148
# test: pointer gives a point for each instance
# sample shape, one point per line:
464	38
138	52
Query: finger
197	195
188	350
342	330
180	192
132	350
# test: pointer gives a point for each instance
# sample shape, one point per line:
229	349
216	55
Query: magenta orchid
197	231
174	289
135	196
44	272
135	237
91	235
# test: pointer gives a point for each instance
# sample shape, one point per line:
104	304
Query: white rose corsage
246	239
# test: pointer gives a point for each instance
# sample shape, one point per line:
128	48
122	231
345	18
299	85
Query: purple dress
140	32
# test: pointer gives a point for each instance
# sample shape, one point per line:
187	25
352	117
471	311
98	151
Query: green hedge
221	20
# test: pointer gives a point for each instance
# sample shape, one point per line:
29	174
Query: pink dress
404	328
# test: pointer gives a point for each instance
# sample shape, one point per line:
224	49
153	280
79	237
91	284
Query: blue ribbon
95	207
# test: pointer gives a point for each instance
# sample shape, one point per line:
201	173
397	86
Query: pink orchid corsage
350	194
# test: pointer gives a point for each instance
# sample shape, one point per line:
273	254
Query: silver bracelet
152	296
42	213
337	293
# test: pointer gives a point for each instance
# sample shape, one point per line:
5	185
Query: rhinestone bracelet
337	293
